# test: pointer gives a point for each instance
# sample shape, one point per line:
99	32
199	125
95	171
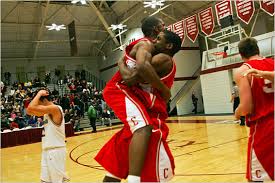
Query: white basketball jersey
53	135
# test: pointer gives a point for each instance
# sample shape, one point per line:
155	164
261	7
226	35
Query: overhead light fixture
56	27
81	1
119	26
154	3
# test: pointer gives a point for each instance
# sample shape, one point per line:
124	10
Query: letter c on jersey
165	173
133	120
258	173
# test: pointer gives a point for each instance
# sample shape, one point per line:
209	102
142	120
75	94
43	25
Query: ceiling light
56	27
76	1
119	26
154	3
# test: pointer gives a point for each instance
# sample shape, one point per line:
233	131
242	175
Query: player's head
248	47
167	42
152	26
44	99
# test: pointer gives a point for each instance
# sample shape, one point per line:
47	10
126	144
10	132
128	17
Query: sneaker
237	121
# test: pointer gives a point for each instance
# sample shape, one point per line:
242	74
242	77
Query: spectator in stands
75	120
32	121
13	124
36	82
67	116
72	88
26	103
92	115
40	122
13	114
12	91
236	101
55	92
16	107
20	120
4	122
106	118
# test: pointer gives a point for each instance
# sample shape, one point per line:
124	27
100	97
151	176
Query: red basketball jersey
262	91
168	80
128	60
150	97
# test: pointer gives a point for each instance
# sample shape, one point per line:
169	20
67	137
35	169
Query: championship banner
169	28
267	6
206	19
223	9
178	28
245	10
192	27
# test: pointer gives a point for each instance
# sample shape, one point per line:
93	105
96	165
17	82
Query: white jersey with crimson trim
53	135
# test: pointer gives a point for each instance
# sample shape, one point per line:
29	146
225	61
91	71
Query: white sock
133	179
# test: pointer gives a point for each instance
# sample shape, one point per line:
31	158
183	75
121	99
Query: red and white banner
267	6
245	10
223	9
192	27
169	27
206	19
178	28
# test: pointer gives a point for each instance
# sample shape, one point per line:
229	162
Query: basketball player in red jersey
133	139
257	104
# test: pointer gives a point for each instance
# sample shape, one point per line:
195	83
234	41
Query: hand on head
43	93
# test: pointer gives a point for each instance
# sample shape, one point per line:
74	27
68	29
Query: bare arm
246	103
146	71
260	74
36	109
129	76
162	64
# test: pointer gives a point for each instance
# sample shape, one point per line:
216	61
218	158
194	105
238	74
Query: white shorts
53	165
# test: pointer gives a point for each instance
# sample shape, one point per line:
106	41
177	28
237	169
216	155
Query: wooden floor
206	149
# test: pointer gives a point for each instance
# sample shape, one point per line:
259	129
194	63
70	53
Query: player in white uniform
53	137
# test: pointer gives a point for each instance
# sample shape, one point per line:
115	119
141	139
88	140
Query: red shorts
133	111
159	162
260	154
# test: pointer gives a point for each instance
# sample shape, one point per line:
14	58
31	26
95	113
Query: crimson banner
178	28
192	27
206	19
245	10
169	28
267	6
223	9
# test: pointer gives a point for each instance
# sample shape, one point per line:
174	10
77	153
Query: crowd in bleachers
75	103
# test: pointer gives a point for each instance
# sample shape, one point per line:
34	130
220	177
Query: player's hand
253	72
43	93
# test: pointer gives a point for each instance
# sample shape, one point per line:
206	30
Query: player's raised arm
38	109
